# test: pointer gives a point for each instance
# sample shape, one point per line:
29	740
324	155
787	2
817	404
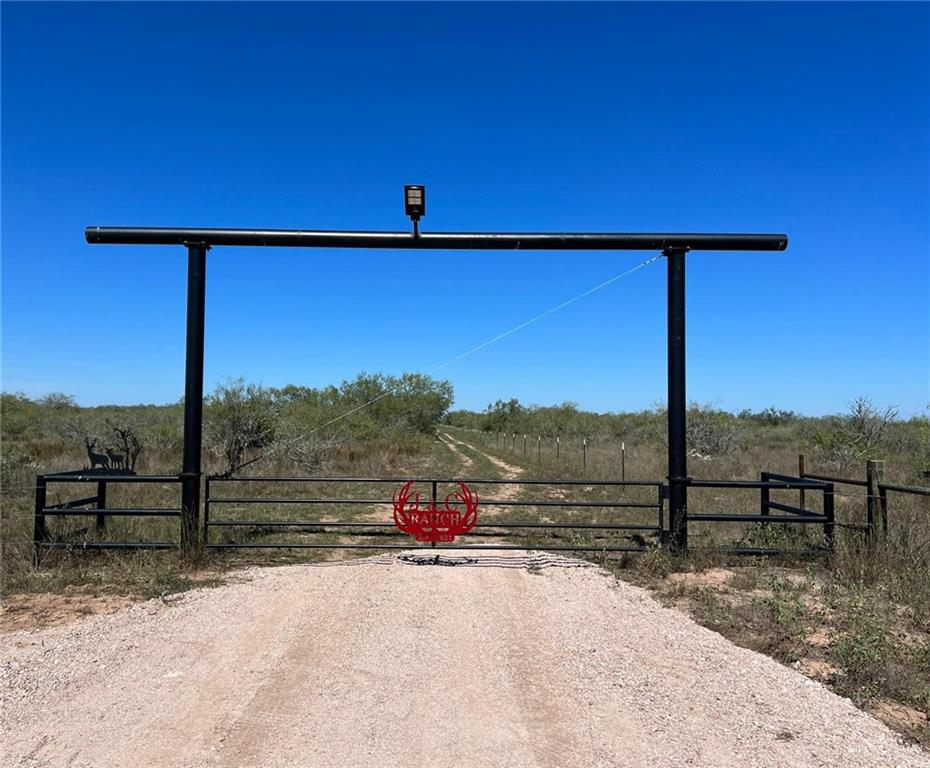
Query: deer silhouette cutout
95	458
116	459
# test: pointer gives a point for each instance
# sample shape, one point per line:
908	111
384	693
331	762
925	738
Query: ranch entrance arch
199	241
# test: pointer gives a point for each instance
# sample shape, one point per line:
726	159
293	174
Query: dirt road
504	660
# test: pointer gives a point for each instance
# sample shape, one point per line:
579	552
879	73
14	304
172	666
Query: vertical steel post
205	536
101	504
193	396
39	531
829	511
434	498
801	471
677	447
764	497
622	462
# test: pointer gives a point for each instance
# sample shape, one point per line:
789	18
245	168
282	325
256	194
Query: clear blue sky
799	118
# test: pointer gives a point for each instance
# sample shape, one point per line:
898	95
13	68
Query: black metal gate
609	519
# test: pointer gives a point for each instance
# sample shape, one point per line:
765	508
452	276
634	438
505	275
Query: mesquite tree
239	417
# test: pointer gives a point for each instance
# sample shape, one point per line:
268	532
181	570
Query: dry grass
859	620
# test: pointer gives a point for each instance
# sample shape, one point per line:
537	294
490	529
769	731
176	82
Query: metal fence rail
95	506
768	482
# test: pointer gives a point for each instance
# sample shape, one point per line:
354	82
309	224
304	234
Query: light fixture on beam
415	204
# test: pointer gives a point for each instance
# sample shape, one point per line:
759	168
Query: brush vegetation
859	618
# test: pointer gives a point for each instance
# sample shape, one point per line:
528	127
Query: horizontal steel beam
124	512
518	241
88	478
774	486
430	550
789	508
107	544
484	502
736	518
427	480
502	524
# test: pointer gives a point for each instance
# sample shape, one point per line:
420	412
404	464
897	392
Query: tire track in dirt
508	472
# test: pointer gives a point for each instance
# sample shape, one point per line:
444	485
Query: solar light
415	204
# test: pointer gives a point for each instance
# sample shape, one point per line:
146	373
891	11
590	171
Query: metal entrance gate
673	246
609	519
609	516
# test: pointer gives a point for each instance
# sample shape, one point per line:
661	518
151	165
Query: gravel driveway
509	659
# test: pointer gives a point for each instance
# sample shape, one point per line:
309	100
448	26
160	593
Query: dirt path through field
506	659
507	471
465	462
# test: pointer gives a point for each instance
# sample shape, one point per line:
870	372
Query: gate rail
768	482
491	527
42	539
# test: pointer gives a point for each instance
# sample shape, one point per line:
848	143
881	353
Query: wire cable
499	337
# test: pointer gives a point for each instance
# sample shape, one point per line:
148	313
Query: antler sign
434	524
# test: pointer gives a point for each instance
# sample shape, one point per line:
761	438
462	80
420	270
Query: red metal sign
433	524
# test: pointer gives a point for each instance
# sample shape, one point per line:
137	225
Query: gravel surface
506	659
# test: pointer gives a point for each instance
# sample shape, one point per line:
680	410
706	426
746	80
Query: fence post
830	514
883	503
101	504
663	495
433	497
513	442
801	471
584	453
677	400
206	511
874	475
764	497
193	398
622	462
39	532
524	445
539	449
558	446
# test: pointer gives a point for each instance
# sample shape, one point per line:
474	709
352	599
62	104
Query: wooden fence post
874	476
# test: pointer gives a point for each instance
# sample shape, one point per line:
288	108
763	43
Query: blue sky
801	118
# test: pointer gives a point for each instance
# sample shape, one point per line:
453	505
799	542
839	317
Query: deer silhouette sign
95	458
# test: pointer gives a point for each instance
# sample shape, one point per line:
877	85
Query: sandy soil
505	659
29	611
